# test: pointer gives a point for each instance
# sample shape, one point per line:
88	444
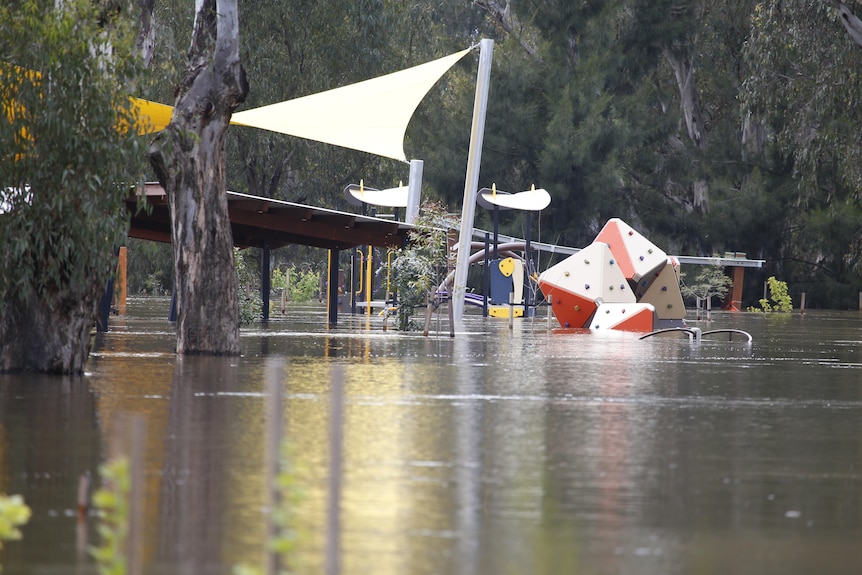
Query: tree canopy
68	160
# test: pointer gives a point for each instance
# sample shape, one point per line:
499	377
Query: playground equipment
621	281
504	277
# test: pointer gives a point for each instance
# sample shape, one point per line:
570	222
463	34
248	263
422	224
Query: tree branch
851	23
509	23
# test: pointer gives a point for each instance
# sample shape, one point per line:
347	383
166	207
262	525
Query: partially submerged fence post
336	442
274	437
127	440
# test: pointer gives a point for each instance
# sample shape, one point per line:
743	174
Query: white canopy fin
370	116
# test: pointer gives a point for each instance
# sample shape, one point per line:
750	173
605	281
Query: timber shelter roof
257	221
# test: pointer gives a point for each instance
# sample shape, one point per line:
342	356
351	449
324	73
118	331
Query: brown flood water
498	452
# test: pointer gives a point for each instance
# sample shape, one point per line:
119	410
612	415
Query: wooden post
121	282
802	303
860	301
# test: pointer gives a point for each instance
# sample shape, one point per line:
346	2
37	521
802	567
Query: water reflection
522	451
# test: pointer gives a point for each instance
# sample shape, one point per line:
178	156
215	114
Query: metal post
414	191
486	279
332	299
121	280
264	281
529	311
471	182
496	228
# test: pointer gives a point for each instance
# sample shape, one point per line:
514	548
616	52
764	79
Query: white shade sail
370	116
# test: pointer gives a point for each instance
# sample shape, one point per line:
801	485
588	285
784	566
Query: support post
802	303
121	282
486	279
471	182
105	307
332	291
265	281
414	191
529	310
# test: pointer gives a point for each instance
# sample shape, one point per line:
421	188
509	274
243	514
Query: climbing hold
663	288
631	233
577	308
607	311
566	274
642	258
587	262
612	262
586	286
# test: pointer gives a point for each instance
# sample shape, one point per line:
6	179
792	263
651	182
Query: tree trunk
682	69
38	334
189	158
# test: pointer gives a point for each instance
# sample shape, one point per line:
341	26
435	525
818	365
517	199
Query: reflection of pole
471	182
414	191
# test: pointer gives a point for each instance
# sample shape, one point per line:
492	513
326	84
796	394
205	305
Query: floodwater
497	452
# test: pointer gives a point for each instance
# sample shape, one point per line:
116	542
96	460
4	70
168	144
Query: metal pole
529	310
414	191
486	279
332	292
265	279
471	182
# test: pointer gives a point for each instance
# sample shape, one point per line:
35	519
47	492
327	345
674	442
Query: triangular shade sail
153	117
370	116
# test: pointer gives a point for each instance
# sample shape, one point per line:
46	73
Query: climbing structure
620	281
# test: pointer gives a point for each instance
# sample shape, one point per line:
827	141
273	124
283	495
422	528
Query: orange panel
570	309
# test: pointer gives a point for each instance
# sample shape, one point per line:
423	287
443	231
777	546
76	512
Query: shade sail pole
414	191
471	183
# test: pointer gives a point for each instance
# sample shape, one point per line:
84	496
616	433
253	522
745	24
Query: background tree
189	159
68	161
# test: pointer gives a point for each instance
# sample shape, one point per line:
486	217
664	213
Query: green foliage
67	160
303	284
150	267
779	300
420	267
279	279
710	281
13	514
112	503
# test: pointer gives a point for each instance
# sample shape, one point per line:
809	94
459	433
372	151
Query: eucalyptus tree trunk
189	158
